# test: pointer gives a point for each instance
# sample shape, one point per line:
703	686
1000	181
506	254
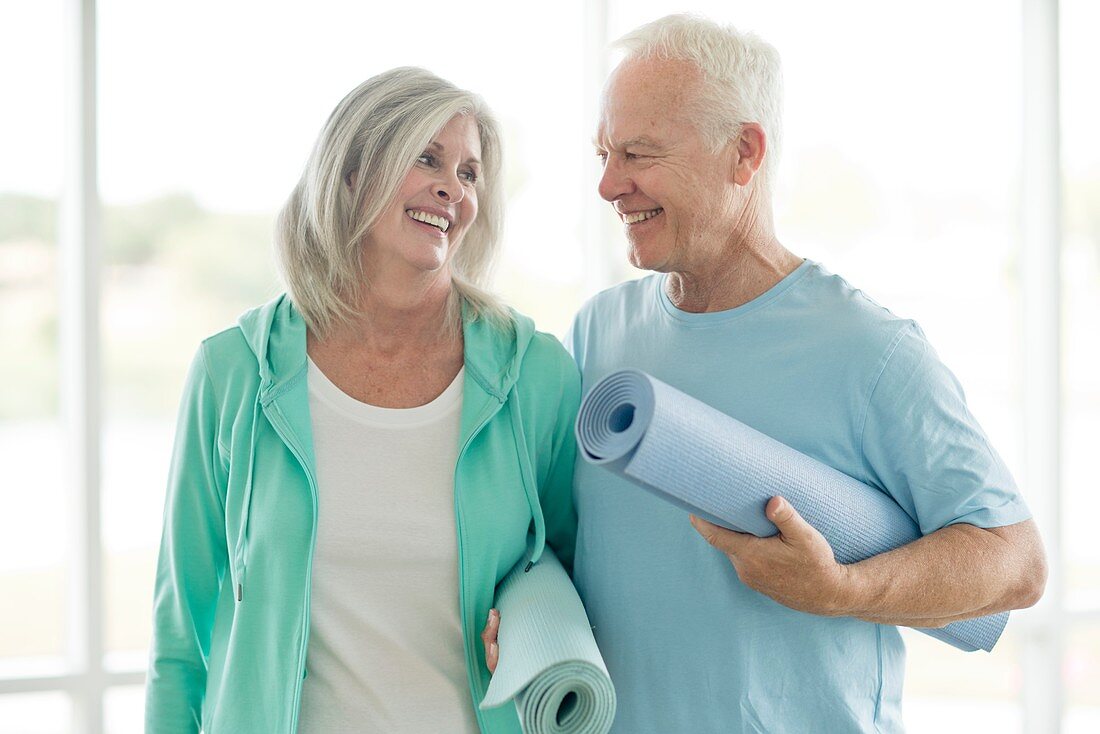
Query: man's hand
489	640
795	568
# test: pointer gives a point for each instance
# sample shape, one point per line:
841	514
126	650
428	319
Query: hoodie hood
276	334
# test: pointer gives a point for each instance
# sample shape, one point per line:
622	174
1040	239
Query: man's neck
750	263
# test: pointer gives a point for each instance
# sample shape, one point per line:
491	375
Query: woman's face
434	206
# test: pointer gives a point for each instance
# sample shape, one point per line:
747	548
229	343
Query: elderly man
707	630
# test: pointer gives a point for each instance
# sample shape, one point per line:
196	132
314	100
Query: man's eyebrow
640	141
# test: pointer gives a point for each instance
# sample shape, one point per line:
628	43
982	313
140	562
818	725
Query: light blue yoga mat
722	470
549	664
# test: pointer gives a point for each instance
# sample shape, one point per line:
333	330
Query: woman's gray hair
377	131
741	77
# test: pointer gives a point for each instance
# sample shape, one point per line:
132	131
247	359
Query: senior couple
359	462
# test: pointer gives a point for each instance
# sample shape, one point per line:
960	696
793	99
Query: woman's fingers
489	639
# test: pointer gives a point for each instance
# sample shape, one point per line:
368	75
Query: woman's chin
416	260
431	265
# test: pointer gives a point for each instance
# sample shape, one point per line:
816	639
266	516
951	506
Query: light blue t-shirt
817	365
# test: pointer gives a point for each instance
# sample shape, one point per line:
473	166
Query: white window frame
87	681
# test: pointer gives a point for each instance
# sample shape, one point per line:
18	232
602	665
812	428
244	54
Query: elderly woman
360	461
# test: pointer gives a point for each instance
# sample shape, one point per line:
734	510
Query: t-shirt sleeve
926	449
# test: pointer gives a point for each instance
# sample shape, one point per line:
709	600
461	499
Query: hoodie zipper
281	429
471	652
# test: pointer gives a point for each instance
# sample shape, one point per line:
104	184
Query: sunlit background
904	168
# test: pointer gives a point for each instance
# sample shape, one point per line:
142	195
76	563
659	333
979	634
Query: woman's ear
752	146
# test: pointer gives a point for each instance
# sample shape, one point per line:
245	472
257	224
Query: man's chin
646	259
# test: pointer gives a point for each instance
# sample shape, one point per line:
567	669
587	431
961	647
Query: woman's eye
468	176
427	159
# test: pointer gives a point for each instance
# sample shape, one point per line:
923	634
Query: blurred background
941	155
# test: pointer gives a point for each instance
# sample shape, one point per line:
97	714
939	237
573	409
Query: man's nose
614	183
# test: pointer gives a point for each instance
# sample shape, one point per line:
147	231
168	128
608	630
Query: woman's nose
448	189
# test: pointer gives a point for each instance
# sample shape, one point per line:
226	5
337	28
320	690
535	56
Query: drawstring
241	551
528	477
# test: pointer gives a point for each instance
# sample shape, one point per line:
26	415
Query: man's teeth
635	217
431	219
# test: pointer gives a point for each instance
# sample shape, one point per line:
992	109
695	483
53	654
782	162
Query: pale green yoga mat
549	663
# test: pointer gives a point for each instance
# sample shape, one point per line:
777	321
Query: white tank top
385	641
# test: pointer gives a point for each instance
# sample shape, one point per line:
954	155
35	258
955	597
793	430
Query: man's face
675	196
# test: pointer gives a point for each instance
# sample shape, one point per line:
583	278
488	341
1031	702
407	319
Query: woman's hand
489	639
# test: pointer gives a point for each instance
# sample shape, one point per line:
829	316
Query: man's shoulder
830	306
628	297
627	292
612	313
836	293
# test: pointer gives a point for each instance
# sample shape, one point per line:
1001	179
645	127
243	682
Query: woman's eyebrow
440	148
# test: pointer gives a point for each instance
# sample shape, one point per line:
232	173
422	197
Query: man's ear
751	146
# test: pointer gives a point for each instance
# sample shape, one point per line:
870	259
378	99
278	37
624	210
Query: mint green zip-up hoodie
232	602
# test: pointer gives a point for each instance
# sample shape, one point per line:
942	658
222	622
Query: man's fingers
704	528
790	524
727	541
786	518
779	510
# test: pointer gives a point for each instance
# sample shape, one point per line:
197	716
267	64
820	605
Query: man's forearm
955	573
958	572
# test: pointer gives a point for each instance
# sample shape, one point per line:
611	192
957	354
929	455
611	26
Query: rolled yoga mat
720	469
549	664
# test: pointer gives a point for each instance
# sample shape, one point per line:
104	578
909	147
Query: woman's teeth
431	219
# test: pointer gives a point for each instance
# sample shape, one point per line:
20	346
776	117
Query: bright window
33	559
1081	359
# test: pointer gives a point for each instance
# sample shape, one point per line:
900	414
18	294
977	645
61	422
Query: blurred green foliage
132	234
173	272
25	217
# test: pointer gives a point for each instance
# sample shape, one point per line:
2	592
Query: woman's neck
396	316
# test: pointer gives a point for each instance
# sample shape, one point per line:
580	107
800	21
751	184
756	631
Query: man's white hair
377	132
741	77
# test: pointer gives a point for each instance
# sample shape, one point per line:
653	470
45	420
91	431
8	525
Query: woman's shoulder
547	360
227	348
228	359
235	347
540	347
547	347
